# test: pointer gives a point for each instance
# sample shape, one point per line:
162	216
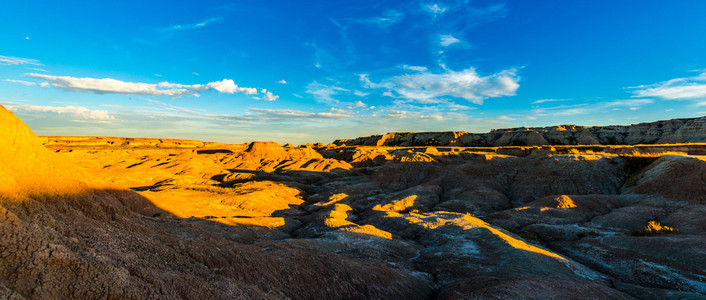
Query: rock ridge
673	131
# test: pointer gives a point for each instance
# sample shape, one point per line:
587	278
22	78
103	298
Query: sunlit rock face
402	216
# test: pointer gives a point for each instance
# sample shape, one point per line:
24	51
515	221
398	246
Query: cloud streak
324	93
23	82
427	87
83	113
675	89
114	86
201	24
448	40
388	18
9	60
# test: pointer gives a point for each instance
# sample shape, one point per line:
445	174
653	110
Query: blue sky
315	71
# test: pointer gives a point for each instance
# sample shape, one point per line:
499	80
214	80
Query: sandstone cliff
660	132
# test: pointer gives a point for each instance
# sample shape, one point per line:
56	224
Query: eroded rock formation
261	220
660	132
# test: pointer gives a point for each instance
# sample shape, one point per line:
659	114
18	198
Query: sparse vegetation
653	227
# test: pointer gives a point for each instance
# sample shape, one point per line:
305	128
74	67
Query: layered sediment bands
660	132
262	220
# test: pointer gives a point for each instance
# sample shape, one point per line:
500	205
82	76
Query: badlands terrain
562	212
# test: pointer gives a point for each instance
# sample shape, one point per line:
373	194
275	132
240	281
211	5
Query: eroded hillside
186	219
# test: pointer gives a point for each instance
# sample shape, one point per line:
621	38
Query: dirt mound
264	150
273	151
675	177
568	175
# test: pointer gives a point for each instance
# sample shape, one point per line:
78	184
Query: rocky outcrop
660	132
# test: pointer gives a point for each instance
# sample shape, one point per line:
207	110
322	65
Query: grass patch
653	227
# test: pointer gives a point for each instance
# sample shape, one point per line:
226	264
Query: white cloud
114	86
324	93
675	89
432	117
546	100
109	85
360	94
76	111
435	9
27	83
415	68
426	87
228	86
591	108
267	96
282	81
287	114
389	17
454	106
201	24
448	40
630	103
503	118
572	112
9	60
359	104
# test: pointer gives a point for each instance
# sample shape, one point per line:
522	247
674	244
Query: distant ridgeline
660	132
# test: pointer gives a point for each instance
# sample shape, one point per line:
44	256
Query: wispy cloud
627	103
201	24
324	93
415	68
591	108
427	87
675	89
448	40
114	86
83	113
434	8
10	60
388	18
27	83
269	114
360	94
267	96
540	101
